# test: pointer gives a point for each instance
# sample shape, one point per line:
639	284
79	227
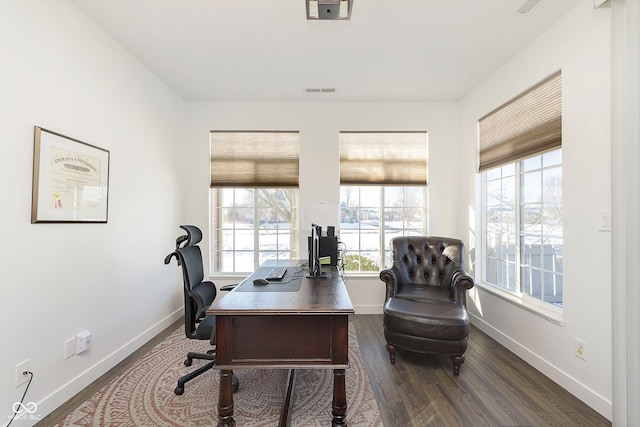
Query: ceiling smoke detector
329	9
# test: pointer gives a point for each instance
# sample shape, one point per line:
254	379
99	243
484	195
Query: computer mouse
260	282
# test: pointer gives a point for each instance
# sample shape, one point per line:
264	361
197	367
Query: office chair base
209	355
179	390
191	375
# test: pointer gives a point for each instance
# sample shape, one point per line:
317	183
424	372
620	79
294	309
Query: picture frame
70	180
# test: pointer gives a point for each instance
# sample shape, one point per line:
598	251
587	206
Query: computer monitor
315	272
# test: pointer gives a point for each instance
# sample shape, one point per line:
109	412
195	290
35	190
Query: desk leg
287	405
225	400
339	411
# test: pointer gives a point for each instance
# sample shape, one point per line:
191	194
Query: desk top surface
315	296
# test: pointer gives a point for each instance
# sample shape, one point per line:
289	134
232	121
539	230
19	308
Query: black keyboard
276	273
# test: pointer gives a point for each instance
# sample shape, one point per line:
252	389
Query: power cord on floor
18	406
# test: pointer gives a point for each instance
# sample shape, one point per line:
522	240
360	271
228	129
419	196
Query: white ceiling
260	50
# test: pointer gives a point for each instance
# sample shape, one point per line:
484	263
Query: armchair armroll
389	277
460	283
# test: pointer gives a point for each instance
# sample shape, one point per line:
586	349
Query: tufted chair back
425	260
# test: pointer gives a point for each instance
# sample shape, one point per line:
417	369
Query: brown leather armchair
425	307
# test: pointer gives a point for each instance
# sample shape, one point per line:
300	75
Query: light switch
605	221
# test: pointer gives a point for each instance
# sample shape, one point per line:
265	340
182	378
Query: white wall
580	45
58	70
319	124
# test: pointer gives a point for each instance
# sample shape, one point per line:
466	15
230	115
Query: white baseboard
84	379
564	380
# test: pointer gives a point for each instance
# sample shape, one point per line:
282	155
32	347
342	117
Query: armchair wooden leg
392	353
457	362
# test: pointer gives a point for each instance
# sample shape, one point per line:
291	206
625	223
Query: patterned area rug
143	395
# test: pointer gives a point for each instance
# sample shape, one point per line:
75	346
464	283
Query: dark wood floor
495	387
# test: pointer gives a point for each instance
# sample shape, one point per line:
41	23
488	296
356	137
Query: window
521	166
383	177
254	199
523	223
371	216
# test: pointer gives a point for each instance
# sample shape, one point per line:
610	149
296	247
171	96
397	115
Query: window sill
545	310
363	273
360	275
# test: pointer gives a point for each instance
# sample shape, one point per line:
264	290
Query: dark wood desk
273	329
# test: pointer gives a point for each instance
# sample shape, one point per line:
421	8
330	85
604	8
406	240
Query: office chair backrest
190	256
198	295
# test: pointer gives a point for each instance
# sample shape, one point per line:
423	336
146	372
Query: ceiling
260	50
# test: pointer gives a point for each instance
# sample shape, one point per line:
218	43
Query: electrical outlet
22	367
581	349
83	341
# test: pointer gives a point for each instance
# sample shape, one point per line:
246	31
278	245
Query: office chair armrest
167	259
227	288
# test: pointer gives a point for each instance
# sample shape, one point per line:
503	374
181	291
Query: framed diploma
70	180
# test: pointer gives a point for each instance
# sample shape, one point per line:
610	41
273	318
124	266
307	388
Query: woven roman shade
255	159
529	124
383	158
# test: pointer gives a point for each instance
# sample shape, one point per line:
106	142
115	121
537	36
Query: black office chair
198	296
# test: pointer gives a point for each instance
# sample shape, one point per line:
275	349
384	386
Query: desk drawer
282	340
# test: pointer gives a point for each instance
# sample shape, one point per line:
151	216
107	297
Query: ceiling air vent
320	89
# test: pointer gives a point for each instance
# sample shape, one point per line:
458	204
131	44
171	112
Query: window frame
547	310
294	231
384	256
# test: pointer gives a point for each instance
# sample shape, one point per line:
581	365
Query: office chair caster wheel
179	390
235	383
188	362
